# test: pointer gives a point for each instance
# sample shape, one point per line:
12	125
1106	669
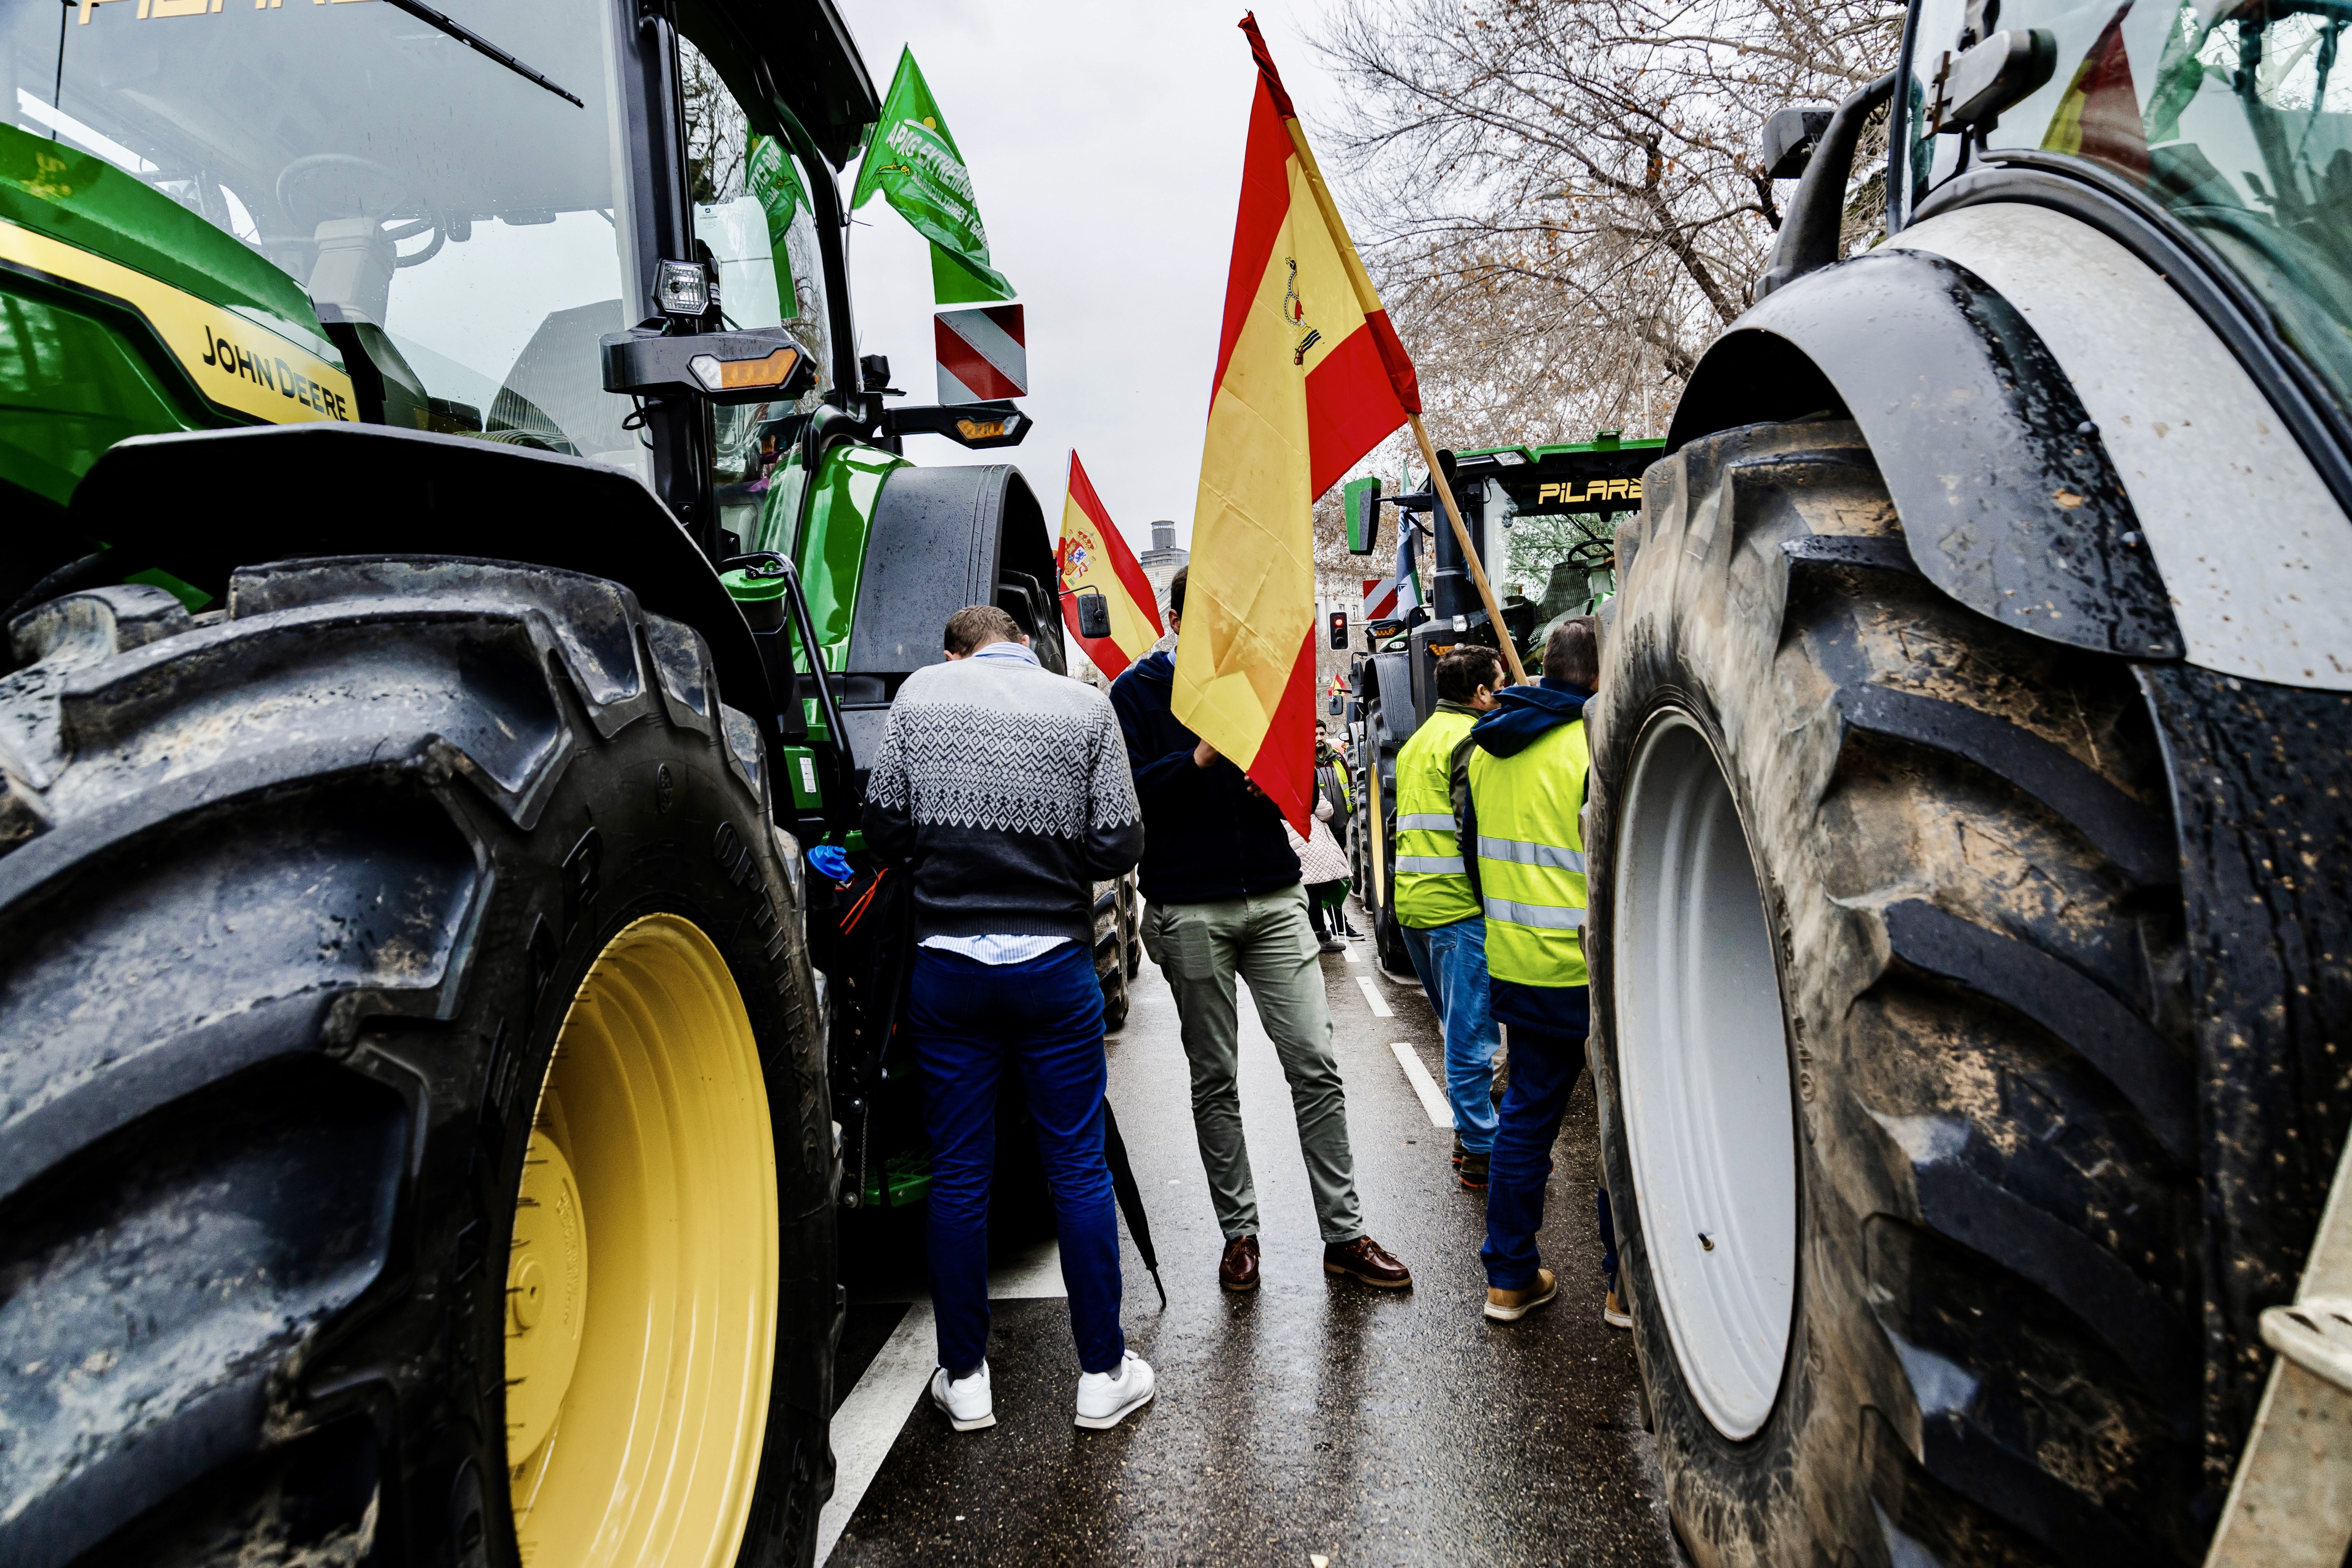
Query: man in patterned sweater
1004	789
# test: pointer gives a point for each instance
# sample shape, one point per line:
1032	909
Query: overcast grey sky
1105	143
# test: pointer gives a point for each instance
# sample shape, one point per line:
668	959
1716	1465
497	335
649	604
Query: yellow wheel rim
641	1288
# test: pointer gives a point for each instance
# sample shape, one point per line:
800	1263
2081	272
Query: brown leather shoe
1238	1270
1369	1261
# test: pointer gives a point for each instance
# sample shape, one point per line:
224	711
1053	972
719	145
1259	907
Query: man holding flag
1310	376
1225	899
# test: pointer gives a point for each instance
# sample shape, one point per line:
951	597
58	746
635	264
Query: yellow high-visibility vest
1432	887
1531	857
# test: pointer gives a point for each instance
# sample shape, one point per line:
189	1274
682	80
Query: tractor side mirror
1093	612
1360	505
1790	137
1972	87
762	365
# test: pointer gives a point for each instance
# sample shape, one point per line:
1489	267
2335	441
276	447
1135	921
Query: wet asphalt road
1314	1420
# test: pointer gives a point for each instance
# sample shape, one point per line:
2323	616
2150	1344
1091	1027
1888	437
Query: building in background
1163	561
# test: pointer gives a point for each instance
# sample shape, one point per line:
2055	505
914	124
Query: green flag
777	185
913	161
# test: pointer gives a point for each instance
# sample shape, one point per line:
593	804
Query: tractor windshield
2236	115
397	175
1560	562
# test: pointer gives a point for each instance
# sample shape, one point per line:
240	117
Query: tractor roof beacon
1970	821
455	559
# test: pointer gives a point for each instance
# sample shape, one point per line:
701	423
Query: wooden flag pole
1469	551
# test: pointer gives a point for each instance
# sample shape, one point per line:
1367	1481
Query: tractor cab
594	229
434	220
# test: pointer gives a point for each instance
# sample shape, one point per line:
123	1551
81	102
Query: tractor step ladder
2291	1504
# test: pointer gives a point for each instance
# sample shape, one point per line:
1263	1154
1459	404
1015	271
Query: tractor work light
682	288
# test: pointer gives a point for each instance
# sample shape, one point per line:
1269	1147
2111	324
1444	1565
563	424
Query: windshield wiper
481	45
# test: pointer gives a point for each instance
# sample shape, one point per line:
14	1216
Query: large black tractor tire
1116	993
1388	939
1897	1104
1130	925
1110	951
295	902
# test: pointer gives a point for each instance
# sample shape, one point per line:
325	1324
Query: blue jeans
1454	957
1544	1068
964	1018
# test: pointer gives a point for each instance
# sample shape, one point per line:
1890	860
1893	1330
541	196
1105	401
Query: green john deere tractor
455	561
1543	520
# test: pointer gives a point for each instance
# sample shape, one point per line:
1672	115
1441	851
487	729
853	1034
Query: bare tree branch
1560	199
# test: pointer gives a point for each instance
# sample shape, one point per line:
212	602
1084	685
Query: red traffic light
1338	628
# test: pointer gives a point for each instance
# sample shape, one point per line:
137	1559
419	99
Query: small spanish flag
1093	555
1310	376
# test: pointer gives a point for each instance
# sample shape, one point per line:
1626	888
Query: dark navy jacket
1205	836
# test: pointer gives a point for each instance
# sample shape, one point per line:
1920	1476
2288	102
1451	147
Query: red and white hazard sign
983	353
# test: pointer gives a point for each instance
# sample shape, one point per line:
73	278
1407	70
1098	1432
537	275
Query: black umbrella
1130	1199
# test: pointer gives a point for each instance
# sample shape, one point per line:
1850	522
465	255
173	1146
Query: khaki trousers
1265	941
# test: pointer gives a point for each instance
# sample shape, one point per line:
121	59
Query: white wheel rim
1702	1059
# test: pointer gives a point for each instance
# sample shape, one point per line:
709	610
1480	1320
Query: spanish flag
1310	376
2098	115
1093	555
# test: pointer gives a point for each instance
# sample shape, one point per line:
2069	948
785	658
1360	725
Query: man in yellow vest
1444	930
1524	774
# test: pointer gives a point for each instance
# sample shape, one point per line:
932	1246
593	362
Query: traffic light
1339	629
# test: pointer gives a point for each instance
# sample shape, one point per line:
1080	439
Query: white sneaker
1107	1398
967	1404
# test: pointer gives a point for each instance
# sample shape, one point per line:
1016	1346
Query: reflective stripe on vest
1525	854
1544	915
1432	883
1531	858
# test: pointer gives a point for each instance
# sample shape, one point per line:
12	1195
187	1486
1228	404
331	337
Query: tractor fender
2253	543
200	504
943	538
2009	498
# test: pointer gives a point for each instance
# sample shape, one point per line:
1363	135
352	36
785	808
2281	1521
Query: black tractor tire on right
294	900
1964	851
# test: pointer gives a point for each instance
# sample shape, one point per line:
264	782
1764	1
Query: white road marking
870	1419
1348	953
1033	1272
1028	1275
1440	1113
1380	1003
890	1389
